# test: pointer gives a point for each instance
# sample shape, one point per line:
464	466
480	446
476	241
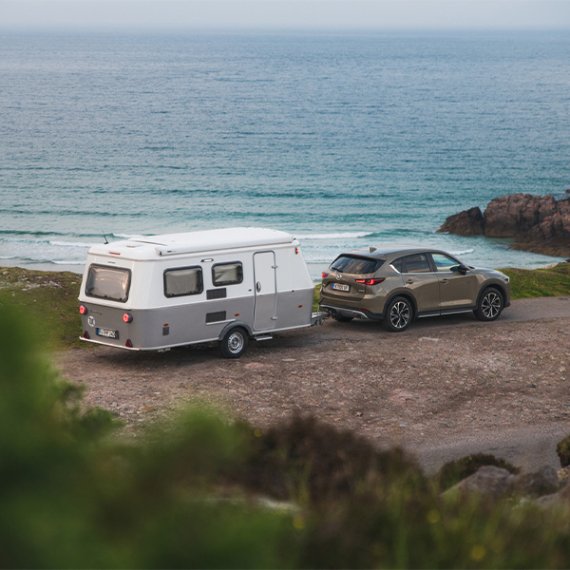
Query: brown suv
398	285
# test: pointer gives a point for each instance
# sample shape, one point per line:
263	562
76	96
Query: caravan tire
234	343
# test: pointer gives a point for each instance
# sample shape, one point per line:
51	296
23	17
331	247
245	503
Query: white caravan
227	285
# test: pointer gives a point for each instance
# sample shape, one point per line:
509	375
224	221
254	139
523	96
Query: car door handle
258	286
410	281
444	281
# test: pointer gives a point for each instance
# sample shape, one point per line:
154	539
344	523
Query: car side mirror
462	269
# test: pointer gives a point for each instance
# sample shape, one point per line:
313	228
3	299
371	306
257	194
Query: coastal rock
490	481
536	223
466	223
560	499
538	483
517	214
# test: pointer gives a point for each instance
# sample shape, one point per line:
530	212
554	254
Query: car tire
399	314
234	343
490	305
342	318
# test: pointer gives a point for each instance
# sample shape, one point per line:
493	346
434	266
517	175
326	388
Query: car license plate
107	333
340	287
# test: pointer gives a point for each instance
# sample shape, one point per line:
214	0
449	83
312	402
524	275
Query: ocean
344	140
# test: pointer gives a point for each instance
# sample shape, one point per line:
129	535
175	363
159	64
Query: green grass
50	299
548	282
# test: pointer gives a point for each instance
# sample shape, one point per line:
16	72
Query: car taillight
82	310
370	282
324	275
127	318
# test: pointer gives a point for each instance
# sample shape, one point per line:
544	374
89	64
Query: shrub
306	460
72	496
563	451
459	469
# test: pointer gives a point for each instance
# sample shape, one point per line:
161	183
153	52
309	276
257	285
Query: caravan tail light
82	310
324	275
297	251
127	318
373	281
129	343
86	335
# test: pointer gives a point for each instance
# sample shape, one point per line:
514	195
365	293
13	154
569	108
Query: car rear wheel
399	315
234	343
490	305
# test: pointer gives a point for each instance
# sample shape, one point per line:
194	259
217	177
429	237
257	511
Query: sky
284	14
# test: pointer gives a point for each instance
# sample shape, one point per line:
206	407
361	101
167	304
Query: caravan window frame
184	268
228	283
93	267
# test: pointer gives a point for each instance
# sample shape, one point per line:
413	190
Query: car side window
417	263
399	265
444	262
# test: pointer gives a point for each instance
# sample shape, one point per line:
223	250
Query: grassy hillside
50	299
548	282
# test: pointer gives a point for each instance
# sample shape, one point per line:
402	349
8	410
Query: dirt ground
447	387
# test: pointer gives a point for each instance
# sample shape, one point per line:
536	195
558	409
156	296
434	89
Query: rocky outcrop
467	223
495	483
535	223
538	483
489	481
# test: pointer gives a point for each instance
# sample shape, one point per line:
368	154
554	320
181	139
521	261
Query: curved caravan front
164	291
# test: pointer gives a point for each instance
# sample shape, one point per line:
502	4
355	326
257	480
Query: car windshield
356	264
110	283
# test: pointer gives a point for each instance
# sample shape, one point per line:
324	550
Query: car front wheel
490	305
399	314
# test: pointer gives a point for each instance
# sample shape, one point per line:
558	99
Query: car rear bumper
355	313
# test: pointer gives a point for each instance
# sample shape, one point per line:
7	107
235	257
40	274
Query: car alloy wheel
400	315
491	305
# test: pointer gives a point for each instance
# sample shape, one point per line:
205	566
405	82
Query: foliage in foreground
187	494
563	451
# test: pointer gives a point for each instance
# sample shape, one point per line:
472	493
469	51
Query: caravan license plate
107	333
340	287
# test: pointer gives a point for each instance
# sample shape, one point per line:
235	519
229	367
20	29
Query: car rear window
111	283
356	264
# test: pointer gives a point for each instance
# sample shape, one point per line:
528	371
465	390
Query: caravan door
265	276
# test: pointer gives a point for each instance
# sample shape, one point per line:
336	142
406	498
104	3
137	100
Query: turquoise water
344	140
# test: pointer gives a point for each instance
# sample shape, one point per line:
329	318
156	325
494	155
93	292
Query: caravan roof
152	247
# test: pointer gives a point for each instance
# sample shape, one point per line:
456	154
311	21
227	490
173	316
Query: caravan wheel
234	343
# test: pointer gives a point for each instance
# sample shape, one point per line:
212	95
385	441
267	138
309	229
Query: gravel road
447	387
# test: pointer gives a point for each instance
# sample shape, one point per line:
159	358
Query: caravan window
110	283
183	281
224	274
